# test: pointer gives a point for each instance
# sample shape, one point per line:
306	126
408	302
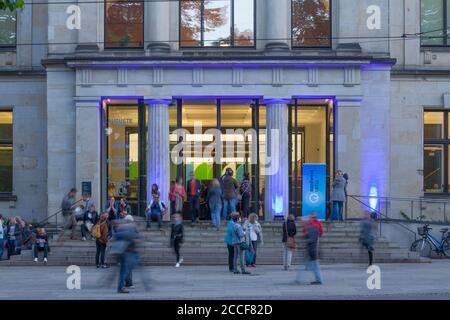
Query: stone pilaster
277	159
277	15
87	151
157	26
88	39
158	155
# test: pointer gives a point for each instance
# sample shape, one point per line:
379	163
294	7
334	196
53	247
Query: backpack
96	231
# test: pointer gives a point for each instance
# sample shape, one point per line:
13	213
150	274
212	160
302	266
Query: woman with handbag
254	237
289	232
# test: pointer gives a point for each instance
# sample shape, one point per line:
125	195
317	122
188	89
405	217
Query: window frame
11	46
446	26
311	47
104	27
445	142
9	143
202	46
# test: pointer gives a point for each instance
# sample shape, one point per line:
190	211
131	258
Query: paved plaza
341	281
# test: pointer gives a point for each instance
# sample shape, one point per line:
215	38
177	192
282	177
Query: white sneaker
181	260
177	265
45	260
35	259
84	238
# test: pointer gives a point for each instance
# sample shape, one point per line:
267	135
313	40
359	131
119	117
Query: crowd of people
243	237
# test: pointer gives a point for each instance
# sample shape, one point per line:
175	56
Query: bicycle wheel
423	247
446	248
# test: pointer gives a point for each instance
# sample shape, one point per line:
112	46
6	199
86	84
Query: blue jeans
337	211
194	203
313	266
2	244
229	206
215	213
155	216
128	262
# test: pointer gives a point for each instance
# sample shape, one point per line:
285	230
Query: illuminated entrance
207	136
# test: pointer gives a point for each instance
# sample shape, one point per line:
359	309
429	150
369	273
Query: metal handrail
423	199
56	215
383	215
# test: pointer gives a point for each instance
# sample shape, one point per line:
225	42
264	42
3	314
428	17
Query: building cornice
420	72
24	73
217	61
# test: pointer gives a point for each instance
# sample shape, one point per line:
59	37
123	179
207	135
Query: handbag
290	241
244	246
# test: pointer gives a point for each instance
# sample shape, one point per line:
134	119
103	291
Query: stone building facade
371	78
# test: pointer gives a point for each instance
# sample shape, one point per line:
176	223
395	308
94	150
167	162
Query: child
176	237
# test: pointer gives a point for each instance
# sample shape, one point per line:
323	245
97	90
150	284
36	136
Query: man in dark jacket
313	230
194	189
289	230
230	188
90	218
176	237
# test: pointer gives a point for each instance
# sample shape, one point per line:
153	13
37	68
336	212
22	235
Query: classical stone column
157	26
277	17
87	151
277	160
158	155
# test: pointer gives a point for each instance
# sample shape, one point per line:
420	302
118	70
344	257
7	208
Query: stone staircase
204	246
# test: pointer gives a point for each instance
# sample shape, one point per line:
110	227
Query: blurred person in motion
312	230
41	245
176	237
194	189
288	240
366	236
246	195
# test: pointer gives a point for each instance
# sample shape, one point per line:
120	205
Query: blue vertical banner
314	190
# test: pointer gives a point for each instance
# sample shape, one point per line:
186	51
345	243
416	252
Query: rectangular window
7	28
434	22
436	151
217	23
311	23
124	24
6	151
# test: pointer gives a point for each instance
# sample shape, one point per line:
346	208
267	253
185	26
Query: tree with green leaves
11	5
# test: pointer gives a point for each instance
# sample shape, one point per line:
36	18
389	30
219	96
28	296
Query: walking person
100	233
2	237
90	218
366	234
337	196
215	202
288	240
194	189
155	211
313	230
41	245
68	206
176	237
253	236
238	240
246	195
230	188
229	242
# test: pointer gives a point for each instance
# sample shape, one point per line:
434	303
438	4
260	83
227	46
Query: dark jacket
42	241
229	187
214	196
291	230
198	188
17	233
177	233
66	204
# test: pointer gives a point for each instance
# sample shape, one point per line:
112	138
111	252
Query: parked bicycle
429	243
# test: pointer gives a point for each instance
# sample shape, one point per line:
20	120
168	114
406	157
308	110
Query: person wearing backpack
313	230
100	233
288	240
239	244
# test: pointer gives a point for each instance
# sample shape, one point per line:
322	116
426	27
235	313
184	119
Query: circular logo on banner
314	198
